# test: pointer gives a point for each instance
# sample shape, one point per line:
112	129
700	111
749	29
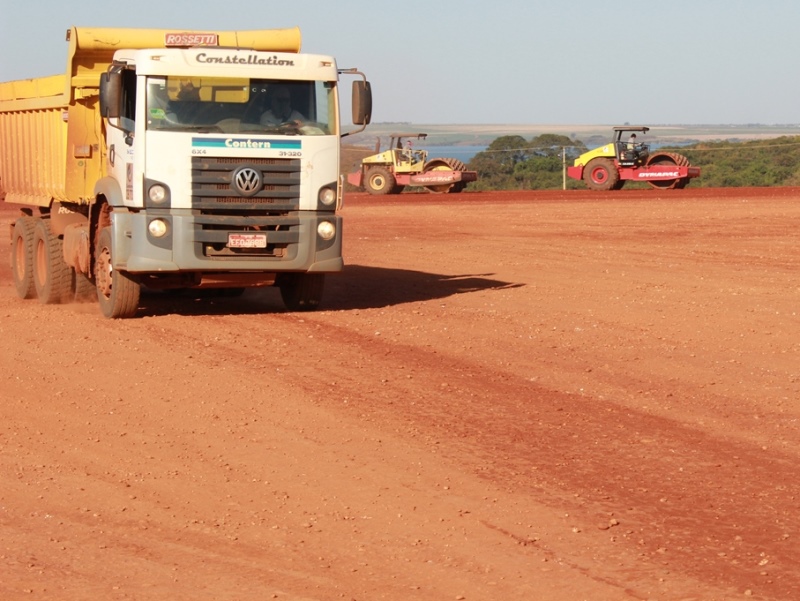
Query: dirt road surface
507	396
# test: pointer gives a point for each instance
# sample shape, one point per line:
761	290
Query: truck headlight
326	230
157	228
327	196
158	194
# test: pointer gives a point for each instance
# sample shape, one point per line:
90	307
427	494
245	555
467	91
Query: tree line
512	162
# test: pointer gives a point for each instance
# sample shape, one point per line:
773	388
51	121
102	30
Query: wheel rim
104	271
377	182
599	175
23	249
19	258
40	272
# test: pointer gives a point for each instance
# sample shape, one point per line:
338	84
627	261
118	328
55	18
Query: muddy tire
117	294
52	277
301	291
22	257
601	175
83	288
379	181
446	164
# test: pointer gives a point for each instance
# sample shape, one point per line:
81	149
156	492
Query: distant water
462	153
465	153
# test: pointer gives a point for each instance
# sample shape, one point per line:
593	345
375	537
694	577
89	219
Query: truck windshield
220	105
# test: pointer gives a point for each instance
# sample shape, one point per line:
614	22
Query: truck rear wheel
117	293
379	181
22	257
82	287
601	175
301	291
51	275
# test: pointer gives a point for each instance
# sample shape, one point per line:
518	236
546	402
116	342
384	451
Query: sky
491	61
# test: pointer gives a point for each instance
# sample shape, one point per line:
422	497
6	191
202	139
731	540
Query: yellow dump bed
51	134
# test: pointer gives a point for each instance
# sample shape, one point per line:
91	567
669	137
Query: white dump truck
160	159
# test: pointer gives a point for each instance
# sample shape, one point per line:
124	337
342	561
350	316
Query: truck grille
213	184
221	208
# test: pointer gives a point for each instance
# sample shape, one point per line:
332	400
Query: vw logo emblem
247	181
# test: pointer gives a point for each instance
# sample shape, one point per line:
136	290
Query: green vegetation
511	162
773	162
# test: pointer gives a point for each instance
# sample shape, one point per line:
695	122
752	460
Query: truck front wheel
117	293
301	291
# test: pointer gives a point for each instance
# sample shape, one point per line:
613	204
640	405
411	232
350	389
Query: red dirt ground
507	396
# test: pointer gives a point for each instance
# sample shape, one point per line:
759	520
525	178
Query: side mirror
362	102
110	94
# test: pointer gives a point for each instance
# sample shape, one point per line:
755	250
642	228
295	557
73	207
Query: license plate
247	240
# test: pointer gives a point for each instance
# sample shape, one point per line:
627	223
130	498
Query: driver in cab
281	110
